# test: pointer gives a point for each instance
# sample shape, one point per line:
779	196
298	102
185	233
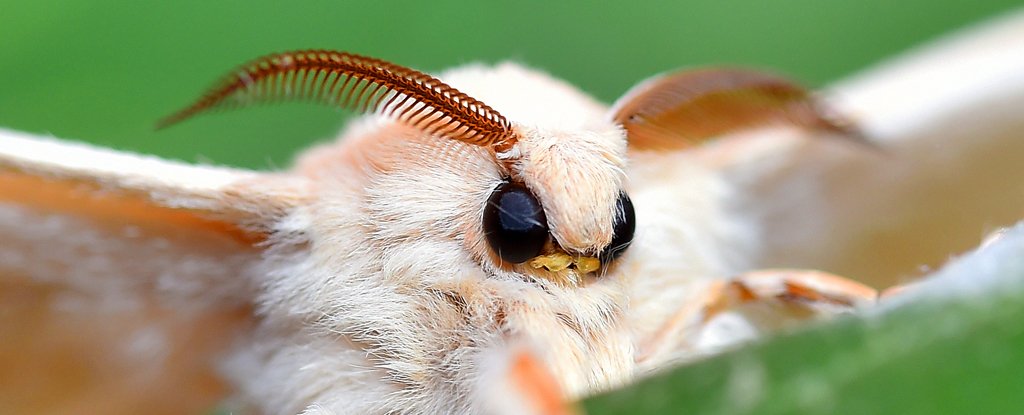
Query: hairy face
421	190
402	259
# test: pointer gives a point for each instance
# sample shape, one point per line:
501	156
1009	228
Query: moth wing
686	108
934	166
123	277
941	170
948	127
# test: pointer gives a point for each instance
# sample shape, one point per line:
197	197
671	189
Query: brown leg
751	304
802	287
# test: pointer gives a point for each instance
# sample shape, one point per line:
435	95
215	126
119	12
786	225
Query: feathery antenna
362	84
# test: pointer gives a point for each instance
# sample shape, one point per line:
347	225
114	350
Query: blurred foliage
105	70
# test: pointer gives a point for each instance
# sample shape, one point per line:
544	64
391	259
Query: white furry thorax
385	297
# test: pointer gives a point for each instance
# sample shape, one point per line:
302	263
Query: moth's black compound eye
514	223
623	228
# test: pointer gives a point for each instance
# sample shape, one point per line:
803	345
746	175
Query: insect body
475	228
409	266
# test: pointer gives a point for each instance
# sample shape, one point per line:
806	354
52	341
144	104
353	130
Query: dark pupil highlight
518	213
514	223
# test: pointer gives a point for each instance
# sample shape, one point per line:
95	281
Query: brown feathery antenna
363	84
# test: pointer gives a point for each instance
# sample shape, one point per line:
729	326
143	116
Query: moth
491	240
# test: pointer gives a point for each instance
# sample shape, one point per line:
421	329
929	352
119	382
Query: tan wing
123	277
946	126
949	123
685	108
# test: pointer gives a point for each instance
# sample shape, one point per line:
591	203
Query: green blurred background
105	70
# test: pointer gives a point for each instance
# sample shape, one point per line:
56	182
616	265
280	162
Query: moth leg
748	306
807	289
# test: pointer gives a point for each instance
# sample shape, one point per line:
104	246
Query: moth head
560	210
551	200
